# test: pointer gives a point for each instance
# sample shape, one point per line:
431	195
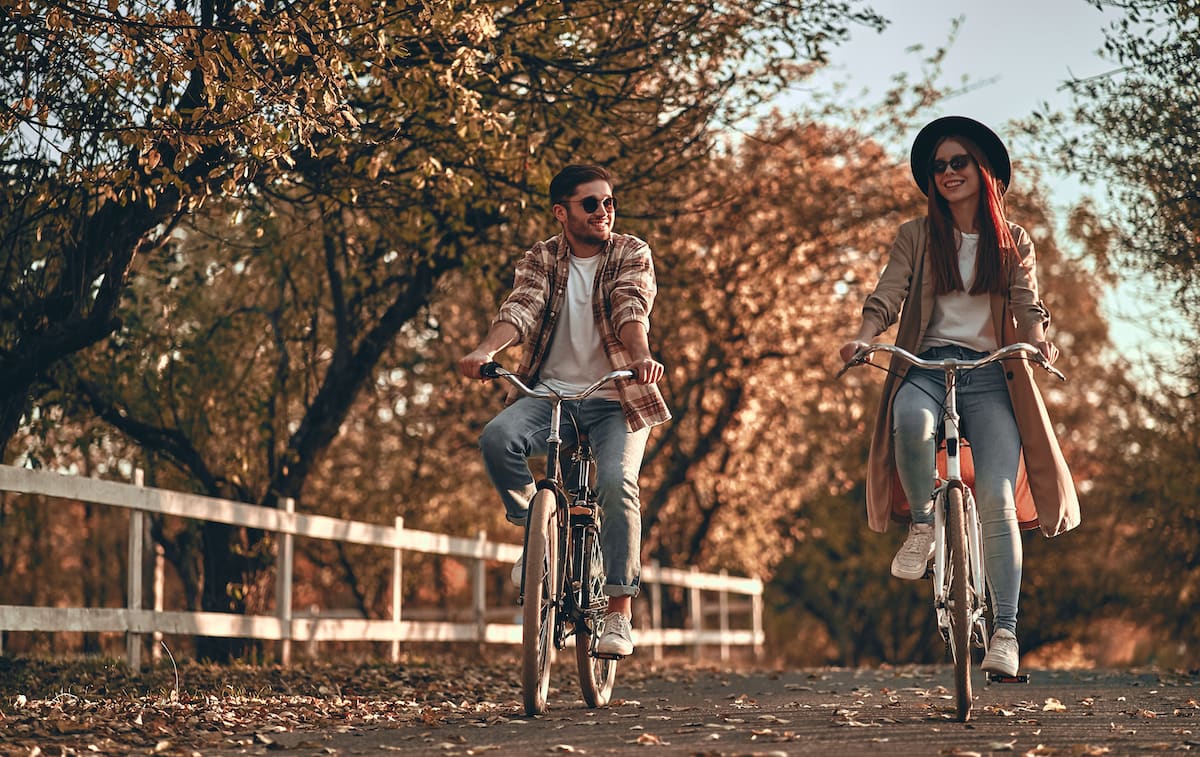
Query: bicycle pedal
602	656
1001	678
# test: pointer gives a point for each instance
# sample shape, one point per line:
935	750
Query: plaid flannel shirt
624	291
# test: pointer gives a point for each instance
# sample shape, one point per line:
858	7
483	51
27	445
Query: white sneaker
914	555
616	638
1003	655
517	569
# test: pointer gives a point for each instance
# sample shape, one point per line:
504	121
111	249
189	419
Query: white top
576	357
960	318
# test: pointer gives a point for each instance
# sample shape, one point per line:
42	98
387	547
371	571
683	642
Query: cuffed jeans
519	432
987	421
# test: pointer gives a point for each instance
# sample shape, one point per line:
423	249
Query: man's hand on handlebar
646	370
850	349
470	364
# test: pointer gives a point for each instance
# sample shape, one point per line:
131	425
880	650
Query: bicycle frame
953	478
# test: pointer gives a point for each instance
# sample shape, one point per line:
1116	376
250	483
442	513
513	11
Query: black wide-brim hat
958	126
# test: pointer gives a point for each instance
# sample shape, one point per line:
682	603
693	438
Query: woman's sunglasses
592	204
958	163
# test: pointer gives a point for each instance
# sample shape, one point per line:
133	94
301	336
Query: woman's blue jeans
988	423
519	432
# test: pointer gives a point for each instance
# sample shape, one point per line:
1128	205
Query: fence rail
285	626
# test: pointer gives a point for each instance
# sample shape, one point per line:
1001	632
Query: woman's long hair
997	249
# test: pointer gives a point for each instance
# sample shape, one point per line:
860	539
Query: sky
1017	53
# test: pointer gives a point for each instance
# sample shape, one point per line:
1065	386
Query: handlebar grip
490	370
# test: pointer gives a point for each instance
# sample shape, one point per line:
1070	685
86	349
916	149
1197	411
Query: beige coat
1045	490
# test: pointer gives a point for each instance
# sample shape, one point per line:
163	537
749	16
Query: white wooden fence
286	626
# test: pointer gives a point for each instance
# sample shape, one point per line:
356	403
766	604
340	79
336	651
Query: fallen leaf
649	739
1053	705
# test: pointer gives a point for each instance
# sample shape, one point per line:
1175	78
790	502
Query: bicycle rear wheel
537	631
596	674
960	609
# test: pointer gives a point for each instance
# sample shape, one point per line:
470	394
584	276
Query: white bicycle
959	578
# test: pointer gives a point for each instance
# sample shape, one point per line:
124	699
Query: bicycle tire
960	609
596	674
538	609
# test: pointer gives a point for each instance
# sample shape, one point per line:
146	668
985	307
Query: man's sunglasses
958	163
592	204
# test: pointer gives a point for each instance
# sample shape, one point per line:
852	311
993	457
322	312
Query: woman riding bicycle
962	283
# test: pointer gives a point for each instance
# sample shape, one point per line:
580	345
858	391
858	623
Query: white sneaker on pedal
517	569
616	636
914	555
1003	656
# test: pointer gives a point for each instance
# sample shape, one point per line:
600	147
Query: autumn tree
1133	130
350	158
758	284
115	122
1132	133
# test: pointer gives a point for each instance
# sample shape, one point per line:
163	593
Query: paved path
897	712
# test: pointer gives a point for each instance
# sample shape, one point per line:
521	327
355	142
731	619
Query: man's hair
564	184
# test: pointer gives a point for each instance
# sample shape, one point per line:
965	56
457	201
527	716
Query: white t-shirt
576	357
960	318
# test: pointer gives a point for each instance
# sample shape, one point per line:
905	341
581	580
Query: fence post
723	607
284	562
656	603
133	641
697	616
479	586
397	588
159	577
757	601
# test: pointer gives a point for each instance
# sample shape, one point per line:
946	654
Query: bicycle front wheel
596	674
537	631
960	609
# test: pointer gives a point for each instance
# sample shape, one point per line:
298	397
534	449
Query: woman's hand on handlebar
647	370
1048	349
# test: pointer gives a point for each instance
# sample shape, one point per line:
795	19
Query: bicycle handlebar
495	370
1035	355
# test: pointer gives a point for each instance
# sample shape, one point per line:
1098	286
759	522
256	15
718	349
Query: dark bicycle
563	579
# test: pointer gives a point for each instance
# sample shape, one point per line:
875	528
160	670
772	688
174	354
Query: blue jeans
519	432
987	421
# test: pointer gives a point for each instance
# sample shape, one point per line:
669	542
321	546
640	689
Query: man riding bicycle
581	304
